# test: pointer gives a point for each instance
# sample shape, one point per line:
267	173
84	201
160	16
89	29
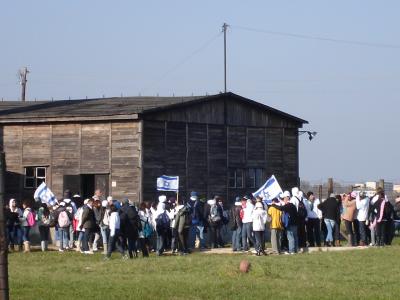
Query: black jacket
291	209
330	208
130	221
88	219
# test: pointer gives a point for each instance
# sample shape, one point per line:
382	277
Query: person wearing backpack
162	222
44	220
384	211
214	222
28	220
290	212
64	220
276	226
130	226
235	225
147	229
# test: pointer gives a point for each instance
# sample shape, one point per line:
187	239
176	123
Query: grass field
364	274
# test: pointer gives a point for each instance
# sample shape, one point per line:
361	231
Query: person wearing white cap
259	216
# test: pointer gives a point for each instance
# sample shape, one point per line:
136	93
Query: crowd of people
293	221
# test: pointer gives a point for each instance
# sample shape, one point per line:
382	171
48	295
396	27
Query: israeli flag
270	190
168	183
45	195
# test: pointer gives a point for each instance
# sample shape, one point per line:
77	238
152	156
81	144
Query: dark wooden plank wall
232	112
212	150
73	149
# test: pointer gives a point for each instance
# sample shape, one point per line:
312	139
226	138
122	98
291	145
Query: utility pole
4	290
22	76
224	28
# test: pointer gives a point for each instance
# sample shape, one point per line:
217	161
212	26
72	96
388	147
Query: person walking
115	238
259	217
330	211
276	226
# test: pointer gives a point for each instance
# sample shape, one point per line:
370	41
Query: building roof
110	108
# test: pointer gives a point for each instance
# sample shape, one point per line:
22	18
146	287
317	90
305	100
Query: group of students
296	221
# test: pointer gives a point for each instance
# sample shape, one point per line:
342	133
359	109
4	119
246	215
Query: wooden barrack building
222	144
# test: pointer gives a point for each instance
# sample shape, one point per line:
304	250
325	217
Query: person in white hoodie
362	205
114	226
259	217
247	220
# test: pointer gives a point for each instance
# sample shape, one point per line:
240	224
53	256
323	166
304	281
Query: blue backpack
162	222
285	218
147	229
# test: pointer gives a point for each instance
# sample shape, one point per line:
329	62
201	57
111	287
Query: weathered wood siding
226	111
110	148
203	154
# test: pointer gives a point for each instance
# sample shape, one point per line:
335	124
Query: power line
317	38
184	60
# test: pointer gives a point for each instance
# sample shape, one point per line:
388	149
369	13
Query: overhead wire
317	38
184	60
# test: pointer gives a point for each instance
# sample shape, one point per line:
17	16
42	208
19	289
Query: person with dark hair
348	215
130	227
313	220
235	224
44	222
27	222
87	224
214	217
14	226
384	212
64	219
290	222
276	226
330	210
362	204
115	237
147	229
